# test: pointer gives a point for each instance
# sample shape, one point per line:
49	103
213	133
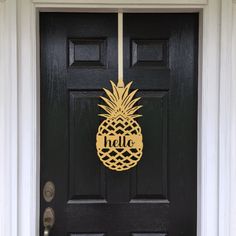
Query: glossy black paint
78	58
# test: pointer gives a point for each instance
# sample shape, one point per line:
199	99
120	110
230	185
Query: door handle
46	231
48	220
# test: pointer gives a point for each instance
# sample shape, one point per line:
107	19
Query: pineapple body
119	138
119	143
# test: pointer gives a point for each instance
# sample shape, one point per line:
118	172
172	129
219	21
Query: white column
225	124
8	119
233	131
209	121
28	177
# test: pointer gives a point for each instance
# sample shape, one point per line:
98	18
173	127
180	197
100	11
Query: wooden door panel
84	185
87	53
103	218
87	234
149	179
149	53
148	234
78	59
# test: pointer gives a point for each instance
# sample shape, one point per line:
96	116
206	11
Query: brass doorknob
46	231
48	220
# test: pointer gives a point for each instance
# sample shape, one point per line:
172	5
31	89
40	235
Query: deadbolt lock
49	191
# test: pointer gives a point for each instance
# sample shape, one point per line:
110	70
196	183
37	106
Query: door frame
19	100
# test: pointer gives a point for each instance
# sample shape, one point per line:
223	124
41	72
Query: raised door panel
87	182
149	179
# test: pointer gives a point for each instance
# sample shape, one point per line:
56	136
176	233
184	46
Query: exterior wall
19	104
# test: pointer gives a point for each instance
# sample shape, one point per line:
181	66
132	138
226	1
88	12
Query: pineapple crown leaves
120	102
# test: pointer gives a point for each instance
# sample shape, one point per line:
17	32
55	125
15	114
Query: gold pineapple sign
119	138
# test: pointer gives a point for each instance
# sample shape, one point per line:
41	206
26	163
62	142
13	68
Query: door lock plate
49	191
48	217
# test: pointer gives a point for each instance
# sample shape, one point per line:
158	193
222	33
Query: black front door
78	59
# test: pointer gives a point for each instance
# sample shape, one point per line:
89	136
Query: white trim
101	3
8	119
19	124
28	177
208	127
225	117
233	131
117	8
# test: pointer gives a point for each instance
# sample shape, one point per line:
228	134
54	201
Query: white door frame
19	104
